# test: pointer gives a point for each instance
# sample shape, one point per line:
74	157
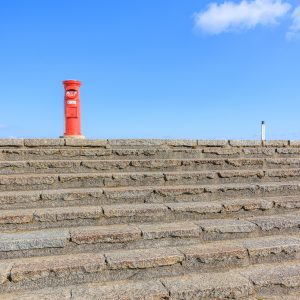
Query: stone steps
145	194
141	264
19	154
143	165
35	218
130	236
63	180
264	281
149	219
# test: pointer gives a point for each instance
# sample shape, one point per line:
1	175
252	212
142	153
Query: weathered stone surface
83	179
247	205
287	202
226	226
179	190
86	143
56	166
245	143
12	167
221	151
143	258
44	294
276	143
283	274
212	143
134	290
242	174
214	252
17	216
31	269
285	173
5	268
259	151
126	193
67	213
136	142
11	142
295	143
44	142
131	210
156	164
15	182
165	230
227	285
9	197
271	245
33	240
196	207
267	223
189	177
105	234
110	165
181	143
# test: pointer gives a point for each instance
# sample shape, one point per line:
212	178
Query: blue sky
152	69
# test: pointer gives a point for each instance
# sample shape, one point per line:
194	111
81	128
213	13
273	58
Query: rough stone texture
67	213
5	268
214	252
147	290
196	207
16	216
267	223
33	240
31	269
105	234
247	205
144	258
11	142
131	210
271	245
86	143
212	143
164	230
283	274
44	142
245	143
136	142
44	294
228	285
181	143
226	226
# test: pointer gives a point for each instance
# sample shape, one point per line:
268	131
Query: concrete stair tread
143	235
145	212
116	179
57	270
233	284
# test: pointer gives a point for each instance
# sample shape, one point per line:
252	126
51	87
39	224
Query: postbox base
73	137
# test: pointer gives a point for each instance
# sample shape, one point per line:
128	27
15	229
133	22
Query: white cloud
294	30
231	16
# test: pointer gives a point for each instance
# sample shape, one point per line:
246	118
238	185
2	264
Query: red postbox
72	109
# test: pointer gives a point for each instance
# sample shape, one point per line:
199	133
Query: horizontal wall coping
47	142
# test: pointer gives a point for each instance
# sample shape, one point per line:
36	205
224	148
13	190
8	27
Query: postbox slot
71	112
71	93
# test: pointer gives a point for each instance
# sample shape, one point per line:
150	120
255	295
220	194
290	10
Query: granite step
122	179
140	264
272	150
280	282
144	194
37	218
143	165
130	236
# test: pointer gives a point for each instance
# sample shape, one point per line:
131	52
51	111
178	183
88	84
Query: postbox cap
71	82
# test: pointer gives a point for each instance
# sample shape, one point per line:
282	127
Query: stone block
196	207
105	234
85	143
245	143
18	241
134	290
214	252
11	143
44	142
144	258
226	226
169	230
227	285
62	266
132	210
212	143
